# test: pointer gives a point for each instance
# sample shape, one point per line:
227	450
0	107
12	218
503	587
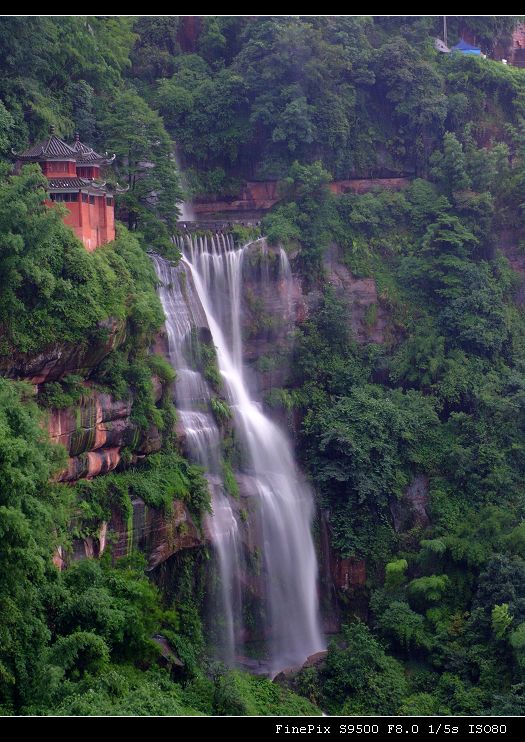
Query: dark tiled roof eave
41	158
94	159
52	148
86	154
75	184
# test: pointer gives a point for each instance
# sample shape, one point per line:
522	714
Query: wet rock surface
274	305
287	676
60	359
411	509
93	433
155	533
158	534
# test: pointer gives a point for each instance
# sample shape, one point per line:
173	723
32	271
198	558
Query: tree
501	620
424	591
32	517
307	211
449	168
511	703
365	438
305	182
500	583
361	678
517	642
145	161
403	625
153	55
46	57
212	43
6	126
395	573
407	80
51	288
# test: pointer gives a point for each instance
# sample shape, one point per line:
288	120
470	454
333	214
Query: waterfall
284	502
187	213
184	316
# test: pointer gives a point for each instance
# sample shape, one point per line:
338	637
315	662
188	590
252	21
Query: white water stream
212	286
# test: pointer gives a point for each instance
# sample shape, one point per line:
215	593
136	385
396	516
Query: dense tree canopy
440	403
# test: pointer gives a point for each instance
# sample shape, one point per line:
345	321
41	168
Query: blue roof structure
465	48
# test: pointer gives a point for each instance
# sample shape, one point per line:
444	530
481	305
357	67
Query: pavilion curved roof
52	148
86	154
76	183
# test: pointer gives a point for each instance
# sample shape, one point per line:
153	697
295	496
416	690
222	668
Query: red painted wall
58	170
110	222
93	224
88	171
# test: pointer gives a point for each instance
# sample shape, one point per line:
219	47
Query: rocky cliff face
97	429
257	197
157	534
94	433
366	318
274	305
60	358
412	509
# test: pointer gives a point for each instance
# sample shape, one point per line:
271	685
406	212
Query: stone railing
204	225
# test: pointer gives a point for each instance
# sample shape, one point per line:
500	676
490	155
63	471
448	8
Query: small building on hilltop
73	172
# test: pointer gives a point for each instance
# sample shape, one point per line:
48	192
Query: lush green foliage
32	515
306	214
440	401
137	136
70	72
86	641
160	479
240	694
61	394
363	448
367	95
52	290
357	679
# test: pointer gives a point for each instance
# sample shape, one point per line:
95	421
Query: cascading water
184	316
186	209
284	500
